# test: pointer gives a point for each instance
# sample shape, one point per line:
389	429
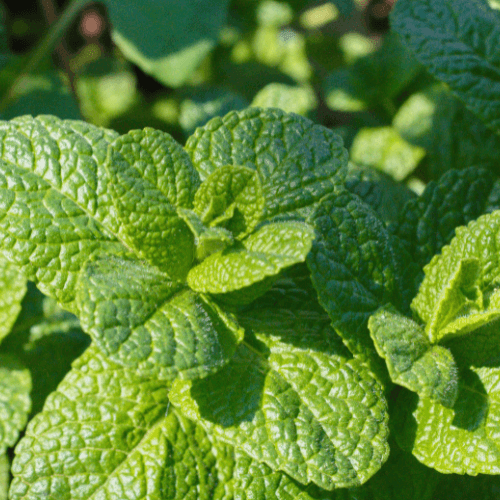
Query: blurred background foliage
174	64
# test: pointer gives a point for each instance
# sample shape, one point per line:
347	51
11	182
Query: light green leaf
109	432
178	38
15	402
255	480
467	433
142	320
4	476
231	197
448	38
264	253
12	290
297	162
207	240
458	293
319	417
291	99
356	267
378	190
412	361
428	223
54	200
384	149
151	175
106	89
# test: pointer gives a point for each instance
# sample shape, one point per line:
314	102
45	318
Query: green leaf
12	290
356	267
373	80
54	202
428	223
319	417
297	162
142	320
42	93
378	190
453	136
106	89
384	149
402	477
458	293
467	433
199	105
53	344
448	38
177	40
15	402
231	197
291	99
264	253
412	361
255	480
151	175
207	240
120	438
4	476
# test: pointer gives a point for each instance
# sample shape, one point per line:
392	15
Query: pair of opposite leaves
458	296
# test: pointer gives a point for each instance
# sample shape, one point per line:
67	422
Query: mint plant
249	316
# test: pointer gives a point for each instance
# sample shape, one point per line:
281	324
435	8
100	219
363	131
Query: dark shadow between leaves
471	407
402	404
234	394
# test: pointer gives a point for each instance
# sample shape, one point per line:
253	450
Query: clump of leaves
253	321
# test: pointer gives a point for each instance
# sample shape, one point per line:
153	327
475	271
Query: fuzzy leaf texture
12	290
459	291
231	197
142	320
429	370
428	223
298	162
448	38
264	253
54	200
356	267
109	432
150	176
305	408
462	281
15	402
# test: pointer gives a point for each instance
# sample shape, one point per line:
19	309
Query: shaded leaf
413	362
448	39
178	37
356	267
142	320
315	416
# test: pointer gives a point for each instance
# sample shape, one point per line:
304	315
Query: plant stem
46	46
50	13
